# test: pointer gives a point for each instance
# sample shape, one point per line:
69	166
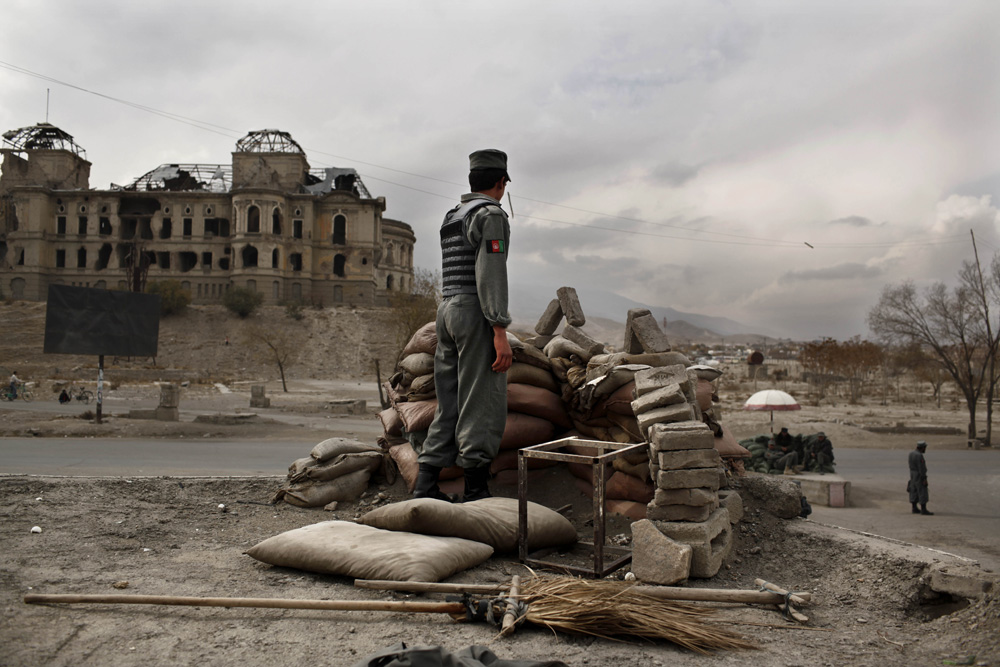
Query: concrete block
706	478
654	468
348	406
170	396
580	337
688	458
260	402
550	319
657	559
539	342
679	435
733	503
570	304
257	391
671	394
710	541
632	343
167	414
679	512
645	329
651	379
696	497
681	412
825	490
965	582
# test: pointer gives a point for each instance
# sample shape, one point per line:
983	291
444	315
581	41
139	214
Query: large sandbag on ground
363	552
418	415
418	364
492	521
406	462
339	466
316	494
332	447
424	340
391	423
520	373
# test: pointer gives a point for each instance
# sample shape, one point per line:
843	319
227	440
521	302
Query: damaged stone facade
267	221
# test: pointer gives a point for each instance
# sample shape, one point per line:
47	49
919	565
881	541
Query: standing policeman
917	485
473	354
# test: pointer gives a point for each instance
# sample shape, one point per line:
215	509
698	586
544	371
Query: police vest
458	256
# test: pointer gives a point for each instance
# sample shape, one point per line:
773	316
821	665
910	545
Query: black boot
477	484
916	510
923	510
427	484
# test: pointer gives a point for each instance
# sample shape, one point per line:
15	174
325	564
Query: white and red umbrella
771	400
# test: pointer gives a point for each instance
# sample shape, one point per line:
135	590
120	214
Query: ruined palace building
267	221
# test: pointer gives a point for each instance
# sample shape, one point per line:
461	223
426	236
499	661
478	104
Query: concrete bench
829	490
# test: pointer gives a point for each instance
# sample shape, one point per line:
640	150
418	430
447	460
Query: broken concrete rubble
569	302
657	559
550	319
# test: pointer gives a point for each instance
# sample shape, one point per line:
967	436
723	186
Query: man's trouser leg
439	449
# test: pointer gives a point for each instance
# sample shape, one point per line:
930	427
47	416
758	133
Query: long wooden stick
797	598
266	603
661	592
510	615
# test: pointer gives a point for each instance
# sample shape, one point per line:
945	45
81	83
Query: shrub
242	300
173	298
293	309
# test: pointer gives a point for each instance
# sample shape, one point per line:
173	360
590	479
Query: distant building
266	221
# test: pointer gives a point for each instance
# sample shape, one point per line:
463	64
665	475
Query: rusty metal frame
606	453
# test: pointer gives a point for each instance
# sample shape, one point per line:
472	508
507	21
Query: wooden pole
797	598
510	617
264	603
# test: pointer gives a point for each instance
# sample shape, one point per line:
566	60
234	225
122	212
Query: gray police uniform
472	397
917	485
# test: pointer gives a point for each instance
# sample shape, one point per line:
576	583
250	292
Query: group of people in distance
790	455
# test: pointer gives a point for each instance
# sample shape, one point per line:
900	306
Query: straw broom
608	609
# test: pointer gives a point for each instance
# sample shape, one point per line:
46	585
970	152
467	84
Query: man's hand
504	355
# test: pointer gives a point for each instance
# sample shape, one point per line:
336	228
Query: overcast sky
678	153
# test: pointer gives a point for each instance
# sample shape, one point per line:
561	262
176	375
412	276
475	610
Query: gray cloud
848	271
853	221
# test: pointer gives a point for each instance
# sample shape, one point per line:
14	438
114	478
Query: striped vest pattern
458	256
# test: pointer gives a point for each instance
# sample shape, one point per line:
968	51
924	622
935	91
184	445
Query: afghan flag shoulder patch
495	246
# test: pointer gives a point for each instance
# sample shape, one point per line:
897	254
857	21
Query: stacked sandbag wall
336	470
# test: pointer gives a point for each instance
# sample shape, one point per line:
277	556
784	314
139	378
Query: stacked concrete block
257	397
685	507
663	396
170	399
550	319
643	334
569	303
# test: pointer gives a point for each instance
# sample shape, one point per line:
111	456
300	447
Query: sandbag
405	458
576	376
417	364
627	508
317	494
424	340
507	460
524	430
520	373
298	465
531	355
703	392
621	486
705	372
537	402
563	347
628	425
332	447
391	423
417	415
340	466
638	470
491	521
423	384
363	552
601	387
619	402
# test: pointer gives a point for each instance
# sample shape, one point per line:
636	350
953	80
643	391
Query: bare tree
279	345
414	310
856	360
944	322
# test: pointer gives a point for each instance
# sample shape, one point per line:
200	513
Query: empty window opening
166	228
187	228
81	258
295	259
388	283
253	220
297	229
148	258
187	260
81	222
163	260
61	225
338	265
60	259
103	257
340	230
216	227
249	255
145	228
274	258
127	230
276	221
224	263
20	259
206	260
104	226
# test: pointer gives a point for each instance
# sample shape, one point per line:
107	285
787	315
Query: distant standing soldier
917	485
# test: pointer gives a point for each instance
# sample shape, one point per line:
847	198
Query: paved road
964	496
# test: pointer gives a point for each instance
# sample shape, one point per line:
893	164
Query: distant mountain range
606	313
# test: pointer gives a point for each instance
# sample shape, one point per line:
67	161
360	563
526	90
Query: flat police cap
489	158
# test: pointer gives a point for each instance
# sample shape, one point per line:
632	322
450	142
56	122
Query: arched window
253	220
338	265
339	230
249	254
276	221
388	282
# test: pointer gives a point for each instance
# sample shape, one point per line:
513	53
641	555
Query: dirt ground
169	536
